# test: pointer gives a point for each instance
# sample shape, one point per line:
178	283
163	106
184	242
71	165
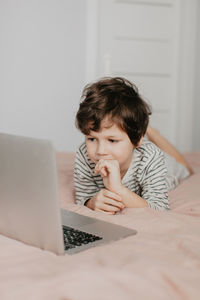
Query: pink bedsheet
161	262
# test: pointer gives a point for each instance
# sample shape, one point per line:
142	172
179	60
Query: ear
140	142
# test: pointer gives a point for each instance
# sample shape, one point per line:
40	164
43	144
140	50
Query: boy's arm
154	192
131	199
110	172
153	185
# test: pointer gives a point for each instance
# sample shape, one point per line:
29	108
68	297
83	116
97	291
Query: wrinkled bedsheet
161	262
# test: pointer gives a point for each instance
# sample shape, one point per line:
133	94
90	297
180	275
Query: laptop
29	201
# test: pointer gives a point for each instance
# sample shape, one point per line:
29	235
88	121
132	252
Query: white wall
42	68
196	108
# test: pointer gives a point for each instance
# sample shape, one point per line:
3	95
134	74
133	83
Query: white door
139	41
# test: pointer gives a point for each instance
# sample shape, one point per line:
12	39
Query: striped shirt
147	176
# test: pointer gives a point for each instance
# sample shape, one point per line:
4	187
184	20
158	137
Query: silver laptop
29	202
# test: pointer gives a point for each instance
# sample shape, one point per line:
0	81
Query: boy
116	167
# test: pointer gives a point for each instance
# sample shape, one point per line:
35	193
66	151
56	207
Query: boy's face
110	142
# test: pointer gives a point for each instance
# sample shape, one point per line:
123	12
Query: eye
91	139
113	141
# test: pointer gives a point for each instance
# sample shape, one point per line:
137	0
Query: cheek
125	154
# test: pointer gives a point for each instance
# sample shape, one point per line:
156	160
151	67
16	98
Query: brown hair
118	99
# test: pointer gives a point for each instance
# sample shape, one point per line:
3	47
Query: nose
101	149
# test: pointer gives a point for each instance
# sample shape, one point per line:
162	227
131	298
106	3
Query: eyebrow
107	136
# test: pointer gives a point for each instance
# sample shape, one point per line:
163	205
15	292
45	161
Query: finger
103	172
112	202
99	168
108	163
109	208
101	164
112	195
106	212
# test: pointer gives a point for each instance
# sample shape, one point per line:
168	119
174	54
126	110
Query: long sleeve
153	184
85	185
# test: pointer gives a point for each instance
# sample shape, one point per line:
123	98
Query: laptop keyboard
75	238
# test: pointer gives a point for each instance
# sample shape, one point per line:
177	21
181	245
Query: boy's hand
106	201
110	172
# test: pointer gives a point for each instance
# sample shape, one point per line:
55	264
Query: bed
161	262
